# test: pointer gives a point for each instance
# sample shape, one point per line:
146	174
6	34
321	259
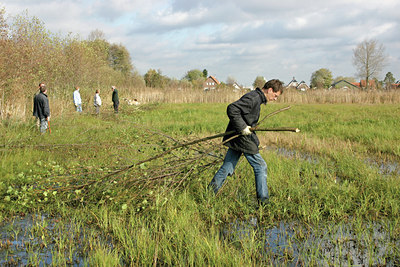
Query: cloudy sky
241	39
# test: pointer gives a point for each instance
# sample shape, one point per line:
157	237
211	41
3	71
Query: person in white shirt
97	101
77	100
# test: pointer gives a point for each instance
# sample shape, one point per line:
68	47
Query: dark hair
275	84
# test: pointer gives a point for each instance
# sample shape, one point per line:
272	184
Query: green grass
176	220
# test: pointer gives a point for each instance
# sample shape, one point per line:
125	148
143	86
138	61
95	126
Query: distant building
301	86
363	84
210	83
236	86
343	84
396	85
292	83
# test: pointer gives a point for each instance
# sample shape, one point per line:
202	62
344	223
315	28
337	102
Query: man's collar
262	95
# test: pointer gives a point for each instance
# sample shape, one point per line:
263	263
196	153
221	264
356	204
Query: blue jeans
43	125
79	107
227	168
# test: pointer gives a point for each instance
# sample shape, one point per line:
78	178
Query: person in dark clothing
115	98
244	114
41	108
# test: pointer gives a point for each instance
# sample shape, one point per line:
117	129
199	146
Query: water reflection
294	244
41	240
384	167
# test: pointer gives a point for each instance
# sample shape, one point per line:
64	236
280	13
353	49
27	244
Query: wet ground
37	239
40	240
384	167
294	244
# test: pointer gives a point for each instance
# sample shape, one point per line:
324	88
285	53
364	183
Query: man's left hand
246	131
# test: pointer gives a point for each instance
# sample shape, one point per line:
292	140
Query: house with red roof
210	83
363	84
396	85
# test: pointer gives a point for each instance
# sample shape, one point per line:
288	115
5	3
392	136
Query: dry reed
337	96
21	108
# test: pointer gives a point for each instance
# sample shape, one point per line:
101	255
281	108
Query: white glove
246	131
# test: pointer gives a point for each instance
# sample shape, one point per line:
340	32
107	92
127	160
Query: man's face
271	95
42	88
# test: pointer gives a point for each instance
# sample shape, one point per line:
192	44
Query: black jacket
41	108
243	112
115	98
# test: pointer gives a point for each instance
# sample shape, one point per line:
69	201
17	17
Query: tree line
369	58
30	54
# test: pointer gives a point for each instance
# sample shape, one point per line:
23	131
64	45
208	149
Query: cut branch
181	145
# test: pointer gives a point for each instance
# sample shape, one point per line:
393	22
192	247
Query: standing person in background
41	108
115	98
97	101
244	114
77	100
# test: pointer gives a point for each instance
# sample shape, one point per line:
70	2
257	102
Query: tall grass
338	96
335	96
21	108
188	226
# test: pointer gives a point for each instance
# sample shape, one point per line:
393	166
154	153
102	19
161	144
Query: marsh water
36	239
21	244
384	167
296	244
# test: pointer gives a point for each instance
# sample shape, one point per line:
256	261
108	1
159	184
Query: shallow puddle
35	240
39	240
293	244
384	167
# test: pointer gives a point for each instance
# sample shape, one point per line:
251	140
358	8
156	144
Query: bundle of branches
145	181
141	183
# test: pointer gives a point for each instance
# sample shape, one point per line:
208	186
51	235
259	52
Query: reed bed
21	107
338	96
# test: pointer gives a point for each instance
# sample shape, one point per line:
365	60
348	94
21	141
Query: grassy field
88	193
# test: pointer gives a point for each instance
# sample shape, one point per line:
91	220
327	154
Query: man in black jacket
244	114
41	107
115	98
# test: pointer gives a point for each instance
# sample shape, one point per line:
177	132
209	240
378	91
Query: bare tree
3	24
369	58
231	80
96	35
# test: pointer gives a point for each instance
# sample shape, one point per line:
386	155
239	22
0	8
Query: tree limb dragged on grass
180	163
278	129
